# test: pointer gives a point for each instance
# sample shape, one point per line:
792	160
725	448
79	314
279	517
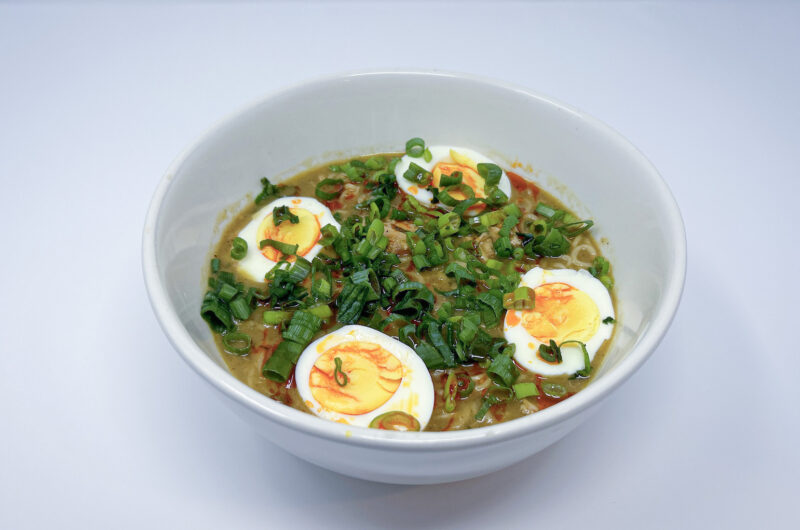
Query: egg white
527	346
255	265
440	153
415	395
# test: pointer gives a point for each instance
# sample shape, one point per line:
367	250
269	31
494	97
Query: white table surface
104	426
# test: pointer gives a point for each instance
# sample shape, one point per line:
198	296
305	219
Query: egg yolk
305	234
373	376
469	176
562	313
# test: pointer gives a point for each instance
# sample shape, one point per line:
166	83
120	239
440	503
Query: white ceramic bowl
592	168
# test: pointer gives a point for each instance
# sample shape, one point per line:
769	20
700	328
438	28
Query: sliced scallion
524	390
238	248
415	147
237	343
328	189
273	318
284	248
418	175
554	390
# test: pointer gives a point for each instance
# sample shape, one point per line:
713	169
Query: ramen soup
426	290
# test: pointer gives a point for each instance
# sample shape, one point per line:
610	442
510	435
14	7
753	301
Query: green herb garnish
338	374
283	213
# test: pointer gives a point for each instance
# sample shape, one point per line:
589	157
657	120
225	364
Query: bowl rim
309	424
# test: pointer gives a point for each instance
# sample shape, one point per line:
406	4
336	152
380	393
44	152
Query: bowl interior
592	169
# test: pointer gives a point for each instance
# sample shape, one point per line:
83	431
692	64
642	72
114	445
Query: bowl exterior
574	156
426	464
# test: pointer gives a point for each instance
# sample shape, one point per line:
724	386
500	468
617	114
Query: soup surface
423	290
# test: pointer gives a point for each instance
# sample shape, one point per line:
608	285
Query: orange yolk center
373	376
561	313
304	234
469	176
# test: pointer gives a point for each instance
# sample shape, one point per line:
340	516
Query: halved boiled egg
569	305
446	160
311	216
359	376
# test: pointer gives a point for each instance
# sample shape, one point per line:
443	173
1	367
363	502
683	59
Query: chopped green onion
215	311
502	247
600	270
338	374
553	245
283	213
465	386
503	371
495	196
448	224
421	262
415	147
491	173
551	353
375	162
554	390
267	191
493	299
587	363
237	343
491	218
398	215
284	248
238	248
302	327
523	390
495	265
374	231
329	188
451	180
418	175
582	226
544	210
351	302
523	297
427	156
329	235
323	311
432	358
512	209
395	420
240	309
227	292
273	318
488	401
609	320
215	265
449	200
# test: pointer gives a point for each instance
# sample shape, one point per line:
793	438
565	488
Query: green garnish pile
357	280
